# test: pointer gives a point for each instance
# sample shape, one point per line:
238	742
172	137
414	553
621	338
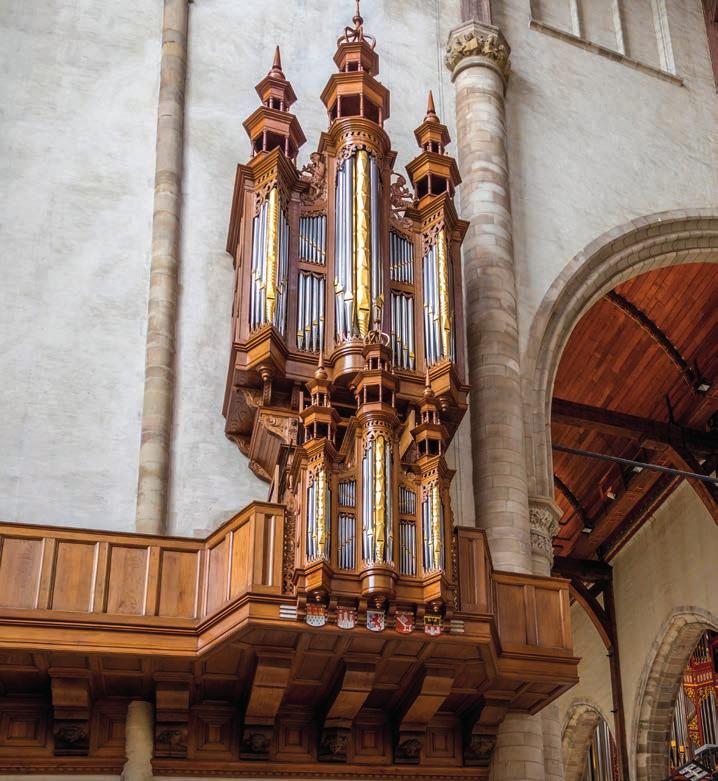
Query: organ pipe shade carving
318	513
270	265
401	259
438	303
358	265
402	332
310	311
345	542
407	548
377	534
313	239
432	517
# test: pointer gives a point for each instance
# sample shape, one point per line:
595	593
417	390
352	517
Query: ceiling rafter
572	499
657	335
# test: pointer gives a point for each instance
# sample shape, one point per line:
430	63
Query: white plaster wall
78	102
670	563
231	46
594	143
594	672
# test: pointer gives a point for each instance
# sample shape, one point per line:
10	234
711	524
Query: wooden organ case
346	627
346	375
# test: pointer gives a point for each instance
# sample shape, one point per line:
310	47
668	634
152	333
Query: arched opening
659	687
621	362
653	242
589	751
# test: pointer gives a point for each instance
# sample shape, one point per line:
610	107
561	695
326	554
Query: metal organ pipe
358	282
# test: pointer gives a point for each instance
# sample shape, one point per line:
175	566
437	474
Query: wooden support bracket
71	705
271	677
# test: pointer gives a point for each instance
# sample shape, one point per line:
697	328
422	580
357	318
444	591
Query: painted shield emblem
316	615
375	620
346	617
404	622
432	625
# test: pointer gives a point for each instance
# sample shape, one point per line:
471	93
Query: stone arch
581	720
647	243
658	687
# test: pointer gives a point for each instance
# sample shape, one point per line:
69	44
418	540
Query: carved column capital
543	516
475	43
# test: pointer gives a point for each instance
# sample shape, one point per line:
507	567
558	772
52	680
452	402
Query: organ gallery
346	624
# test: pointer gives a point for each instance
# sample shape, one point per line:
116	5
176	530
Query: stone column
478	57
544	514
139	735
156	425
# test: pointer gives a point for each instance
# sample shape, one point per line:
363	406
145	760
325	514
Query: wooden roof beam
584	569
619	424
657	335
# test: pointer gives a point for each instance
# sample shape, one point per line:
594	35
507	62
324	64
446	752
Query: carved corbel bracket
356	685
480	738
172	718
71	705
429	697
271	677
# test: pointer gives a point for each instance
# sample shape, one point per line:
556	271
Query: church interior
422	406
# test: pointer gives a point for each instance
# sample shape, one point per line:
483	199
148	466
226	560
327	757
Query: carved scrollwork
401	199
315	174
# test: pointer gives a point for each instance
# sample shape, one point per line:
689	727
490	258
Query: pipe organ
346	374
276	644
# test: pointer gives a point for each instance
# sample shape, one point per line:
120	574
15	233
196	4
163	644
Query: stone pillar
544	514
139	733
156	422
478	56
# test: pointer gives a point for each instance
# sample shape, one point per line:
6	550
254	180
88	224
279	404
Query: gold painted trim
272	252
362	240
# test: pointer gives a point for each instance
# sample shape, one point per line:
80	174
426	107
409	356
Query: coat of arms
346	617
316	615
375	620
404	622
433	625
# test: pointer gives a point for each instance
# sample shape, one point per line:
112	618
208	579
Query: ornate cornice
543	516
484	42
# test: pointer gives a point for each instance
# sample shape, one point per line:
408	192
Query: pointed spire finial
320	373
357	16
277	65
428	390
431	115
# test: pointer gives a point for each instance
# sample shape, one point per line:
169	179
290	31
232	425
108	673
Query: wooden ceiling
631	383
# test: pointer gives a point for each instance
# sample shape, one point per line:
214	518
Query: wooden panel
179	583
23	728
294	737
217	575
474	572
74	573
511	613
213	732
20	572
241	560
127	580
550	624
